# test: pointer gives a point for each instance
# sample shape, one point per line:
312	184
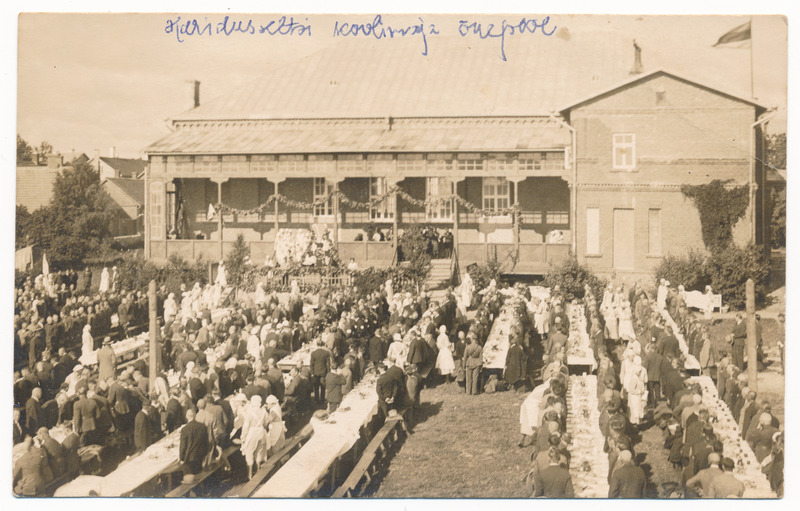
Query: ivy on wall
720	207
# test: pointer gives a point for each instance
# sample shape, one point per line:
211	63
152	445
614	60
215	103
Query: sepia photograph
396	256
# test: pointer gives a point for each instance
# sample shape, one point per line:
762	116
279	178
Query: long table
691	363
332	438
579	346
589	464
748	470
496	348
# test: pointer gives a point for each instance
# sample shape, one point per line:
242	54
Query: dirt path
463	447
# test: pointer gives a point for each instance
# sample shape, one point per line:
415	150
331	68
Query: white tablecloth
579	346
331	439
121	348
748	470
589	464
496	347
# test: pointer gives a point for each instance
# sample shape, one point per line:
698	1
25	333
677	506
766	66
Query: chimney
194	95
637	59
112	151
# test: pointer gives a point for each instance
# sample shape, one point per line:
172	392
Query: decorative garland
374	202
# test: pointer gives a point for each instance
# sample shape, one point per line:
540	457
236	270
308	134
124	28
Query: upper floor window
383	211
322	191
496	194
624	151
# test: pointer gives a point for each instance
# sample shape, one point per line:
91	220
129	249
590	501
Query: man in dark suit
334	383
144	432
739	337
55	452
320	365
628	480
194	444
377	349
29	470
554	481
84	417
34	417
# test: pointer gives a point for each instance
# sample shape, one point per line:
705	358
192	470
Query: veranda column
275	182
515	217
335	181
455	180
394	182
219	181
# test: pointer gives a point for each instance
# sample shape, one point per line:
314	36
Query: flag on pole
211	212
45	266
740	35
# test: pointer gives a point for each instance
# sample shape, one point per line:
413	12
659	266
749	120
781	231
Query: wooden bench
274	462
184	488
374	451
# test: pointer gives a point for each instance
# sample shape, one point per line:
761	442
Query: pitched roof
35	186
134	188
646	76
335	136
378	78
125	167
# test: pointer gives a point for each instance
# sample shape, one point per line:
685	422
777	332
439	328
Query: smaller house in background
127	196
112	167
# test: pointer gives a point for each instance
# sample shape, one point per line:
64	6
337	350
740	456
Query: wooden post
219	219
752	355
152	305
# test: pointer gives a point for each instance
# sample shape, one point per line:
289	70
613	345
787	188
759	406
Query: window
592	231
322	189
624	151
384	211
156	211
233	163
262	163
206	163
654	232
495	193
437	188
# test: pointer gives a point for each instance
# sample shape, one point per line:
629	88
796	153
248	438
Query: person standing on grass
738	338
628	480
473	362
555	481
725	485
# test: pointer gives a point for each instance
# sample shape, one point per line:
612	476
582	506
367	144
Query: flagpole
752	41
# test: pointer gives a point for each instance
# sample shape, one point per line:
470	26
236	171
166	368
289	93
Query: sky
89	82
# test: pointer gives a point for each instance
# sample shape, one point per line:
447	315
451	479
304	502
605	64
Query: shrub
778	219
720	208
134	272
688	270
237	262
729	270
414	246
572	276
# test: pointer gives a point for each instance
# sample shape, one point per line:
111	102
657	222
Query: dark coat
627	482
515	364
320	362
85	414
554	482
194	442
34	417
142	431
29	472
333	387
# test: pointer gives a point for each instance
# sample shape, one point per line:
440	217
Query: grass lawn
463	447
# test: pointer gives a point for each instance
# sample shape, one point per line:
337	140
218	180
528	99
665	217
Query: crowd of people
218	378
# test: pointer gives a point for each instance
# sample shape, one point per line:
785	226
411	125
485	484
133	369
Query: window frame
387	207
494	196
327	207
622	145
447	206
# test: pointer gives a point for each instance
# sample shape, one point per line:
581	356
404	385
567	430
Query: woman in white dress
104	281
276	429
661	294
444	360
87	342
261	295
398	351
635	385
626	332
466	289
709	308
254	435
221	279
170	307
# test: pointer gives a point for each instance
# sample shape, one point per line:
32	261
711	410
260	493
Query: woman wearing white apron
87	343
444	360
276	430
254	435
104	281
626	322
635	384
709	308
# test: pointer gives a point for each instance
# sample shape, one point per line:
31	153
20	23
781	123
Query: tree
776	150
778	219
75	224
23	218
45	148
24	151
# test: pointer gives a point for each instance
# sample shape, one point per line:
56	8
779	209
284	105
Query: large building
572	146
